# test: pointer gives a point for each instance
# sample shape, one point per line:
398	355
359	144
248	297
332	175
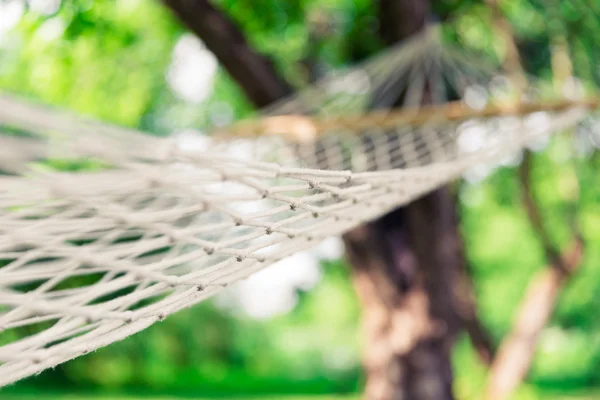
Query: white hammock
89	258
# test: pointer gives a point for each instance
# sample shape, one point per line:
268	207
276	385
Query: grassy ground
590	394
73	397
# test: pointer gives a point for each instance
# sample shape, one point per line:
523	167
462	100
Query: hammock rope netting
88	258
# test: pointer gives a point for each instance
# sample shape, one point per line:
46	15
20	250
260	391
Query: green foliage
103	58
109	59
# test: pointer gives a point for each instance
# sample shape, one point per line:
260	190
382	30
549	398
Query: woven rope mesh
90	257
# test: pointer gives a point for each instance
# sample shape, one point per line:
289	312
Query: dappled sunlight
273	291
192	71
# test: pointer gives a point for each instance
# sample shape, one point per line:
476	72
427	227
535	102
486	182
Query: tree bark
254	73
405	266
409	272
518	348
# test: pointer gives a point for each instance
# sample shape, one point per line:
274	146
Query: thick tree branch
254	73
518	348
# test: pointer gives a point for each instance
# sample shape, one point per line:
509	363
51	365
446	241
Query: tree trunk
409	272
406	265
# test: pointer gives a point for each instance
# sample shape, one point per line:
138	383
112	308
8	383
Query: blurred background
293	329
